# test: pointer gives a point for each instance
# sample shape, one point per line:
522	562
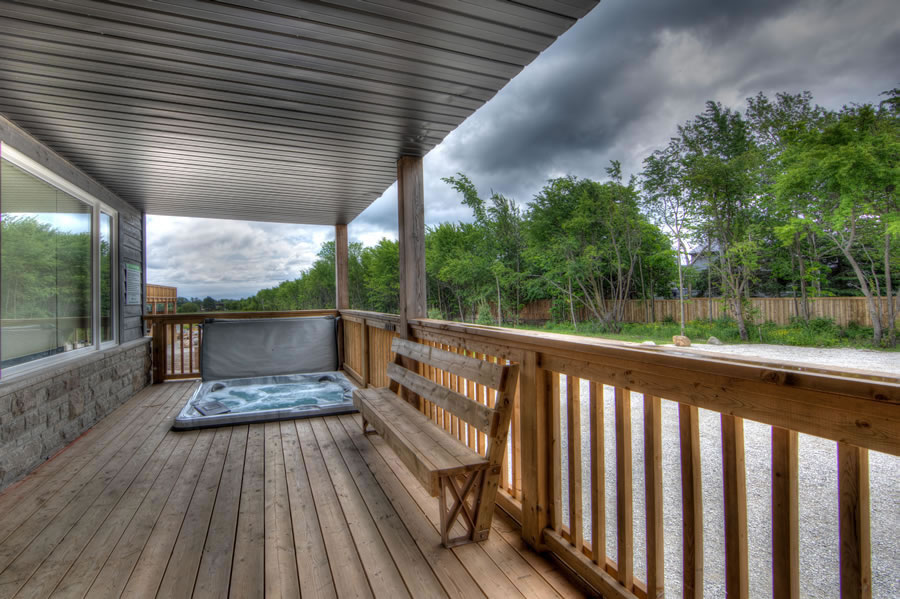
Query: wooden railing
177	339
555	480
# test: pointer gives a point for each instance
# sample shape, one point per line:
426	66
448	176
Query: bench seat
426	449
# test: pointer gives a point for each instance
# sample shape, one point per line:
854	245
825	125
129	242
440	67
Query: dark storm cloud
614	87
620	81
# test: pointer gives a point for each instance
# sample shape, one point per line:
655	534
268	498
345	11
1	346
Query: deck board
309	506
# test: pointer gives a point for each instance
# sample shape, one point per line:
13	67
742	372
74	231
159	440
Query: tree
586	239
846	173
188	308
667	201
381	276
499	238
457	268
721	176
773	124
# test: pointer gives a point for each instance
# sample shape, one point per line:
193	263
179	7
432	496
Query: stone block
76	404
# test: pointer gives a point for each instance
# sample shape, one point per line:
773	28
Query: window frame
37	170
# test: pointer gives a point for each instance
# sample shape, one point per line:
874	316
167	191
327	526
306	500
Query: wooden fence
779	310
554	476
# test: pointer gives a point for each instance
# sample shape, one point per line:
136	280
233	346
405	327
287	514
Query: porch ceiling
274	110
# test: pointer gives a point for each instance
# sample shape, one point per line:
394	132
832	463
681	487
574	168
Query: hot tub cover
267	346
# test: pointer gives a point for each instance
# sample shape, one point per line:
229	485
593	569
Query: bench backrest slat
474	413
473	369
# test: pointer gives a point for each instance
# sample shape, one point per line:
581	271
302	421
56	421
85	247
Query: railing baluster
364	354
516	450
624	493
556	457
454	384
481	393
181	345
785	526
598	476
573	422
735	480
470	393
855	533
691	502
171	356
653	495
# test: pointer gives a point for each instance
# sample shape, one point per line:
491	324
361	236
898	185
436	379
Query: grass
819	332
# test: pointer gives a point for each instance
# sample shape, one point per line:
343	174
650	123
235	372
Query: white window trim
38	170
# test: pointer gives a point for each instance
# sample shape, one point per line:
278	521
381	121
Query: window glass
45	269
106	270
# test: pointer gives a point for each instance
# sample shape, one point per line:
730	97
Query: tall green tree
846	174
774	123
500	239
668	203
722	170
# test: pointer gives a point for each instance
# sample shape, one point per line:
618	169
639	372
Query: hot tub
266	398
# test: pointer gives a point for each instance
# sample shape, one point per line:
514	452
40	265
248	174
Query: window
57	291
107	297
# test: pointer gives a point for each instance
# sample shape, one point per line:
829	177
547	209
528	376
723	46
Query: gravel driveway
817	490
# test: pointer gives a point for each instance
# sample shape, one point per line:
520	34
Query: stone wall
41	412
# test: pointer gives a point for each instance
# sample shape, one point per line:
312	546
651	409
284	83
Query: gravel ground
838	358
817	491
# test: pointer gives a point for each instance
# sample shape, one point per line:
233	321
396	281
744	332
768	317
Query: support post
411	231
341	273
534	395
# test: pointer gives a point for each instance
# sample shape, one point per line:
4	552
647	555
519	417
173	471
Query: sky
614	87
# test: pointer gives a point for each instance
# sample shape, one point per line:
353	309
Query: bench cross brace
471	485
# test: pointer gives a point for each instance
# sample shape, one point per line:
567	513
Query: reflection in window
45	269
106	270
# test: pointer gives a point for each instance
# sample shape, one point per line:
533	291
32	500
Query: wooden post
785	515
734	474
411	230
653	494
691	502
341	275
624	494
535	422
855	534
158	349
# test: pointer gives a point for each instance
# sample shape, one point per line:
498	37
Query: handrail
562	384
823	403
201	316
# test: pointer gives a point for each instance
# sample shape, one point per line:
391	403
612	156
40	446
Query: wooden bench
444	465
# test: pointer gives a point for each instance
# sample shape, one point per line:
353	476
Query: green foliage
783	199
188	308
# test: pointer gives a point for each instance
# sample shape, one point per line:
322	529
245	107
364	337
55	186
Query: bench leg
365	428
485	503
470	487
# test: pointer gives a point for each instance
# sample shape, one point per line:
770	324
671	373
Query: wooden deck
307	507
